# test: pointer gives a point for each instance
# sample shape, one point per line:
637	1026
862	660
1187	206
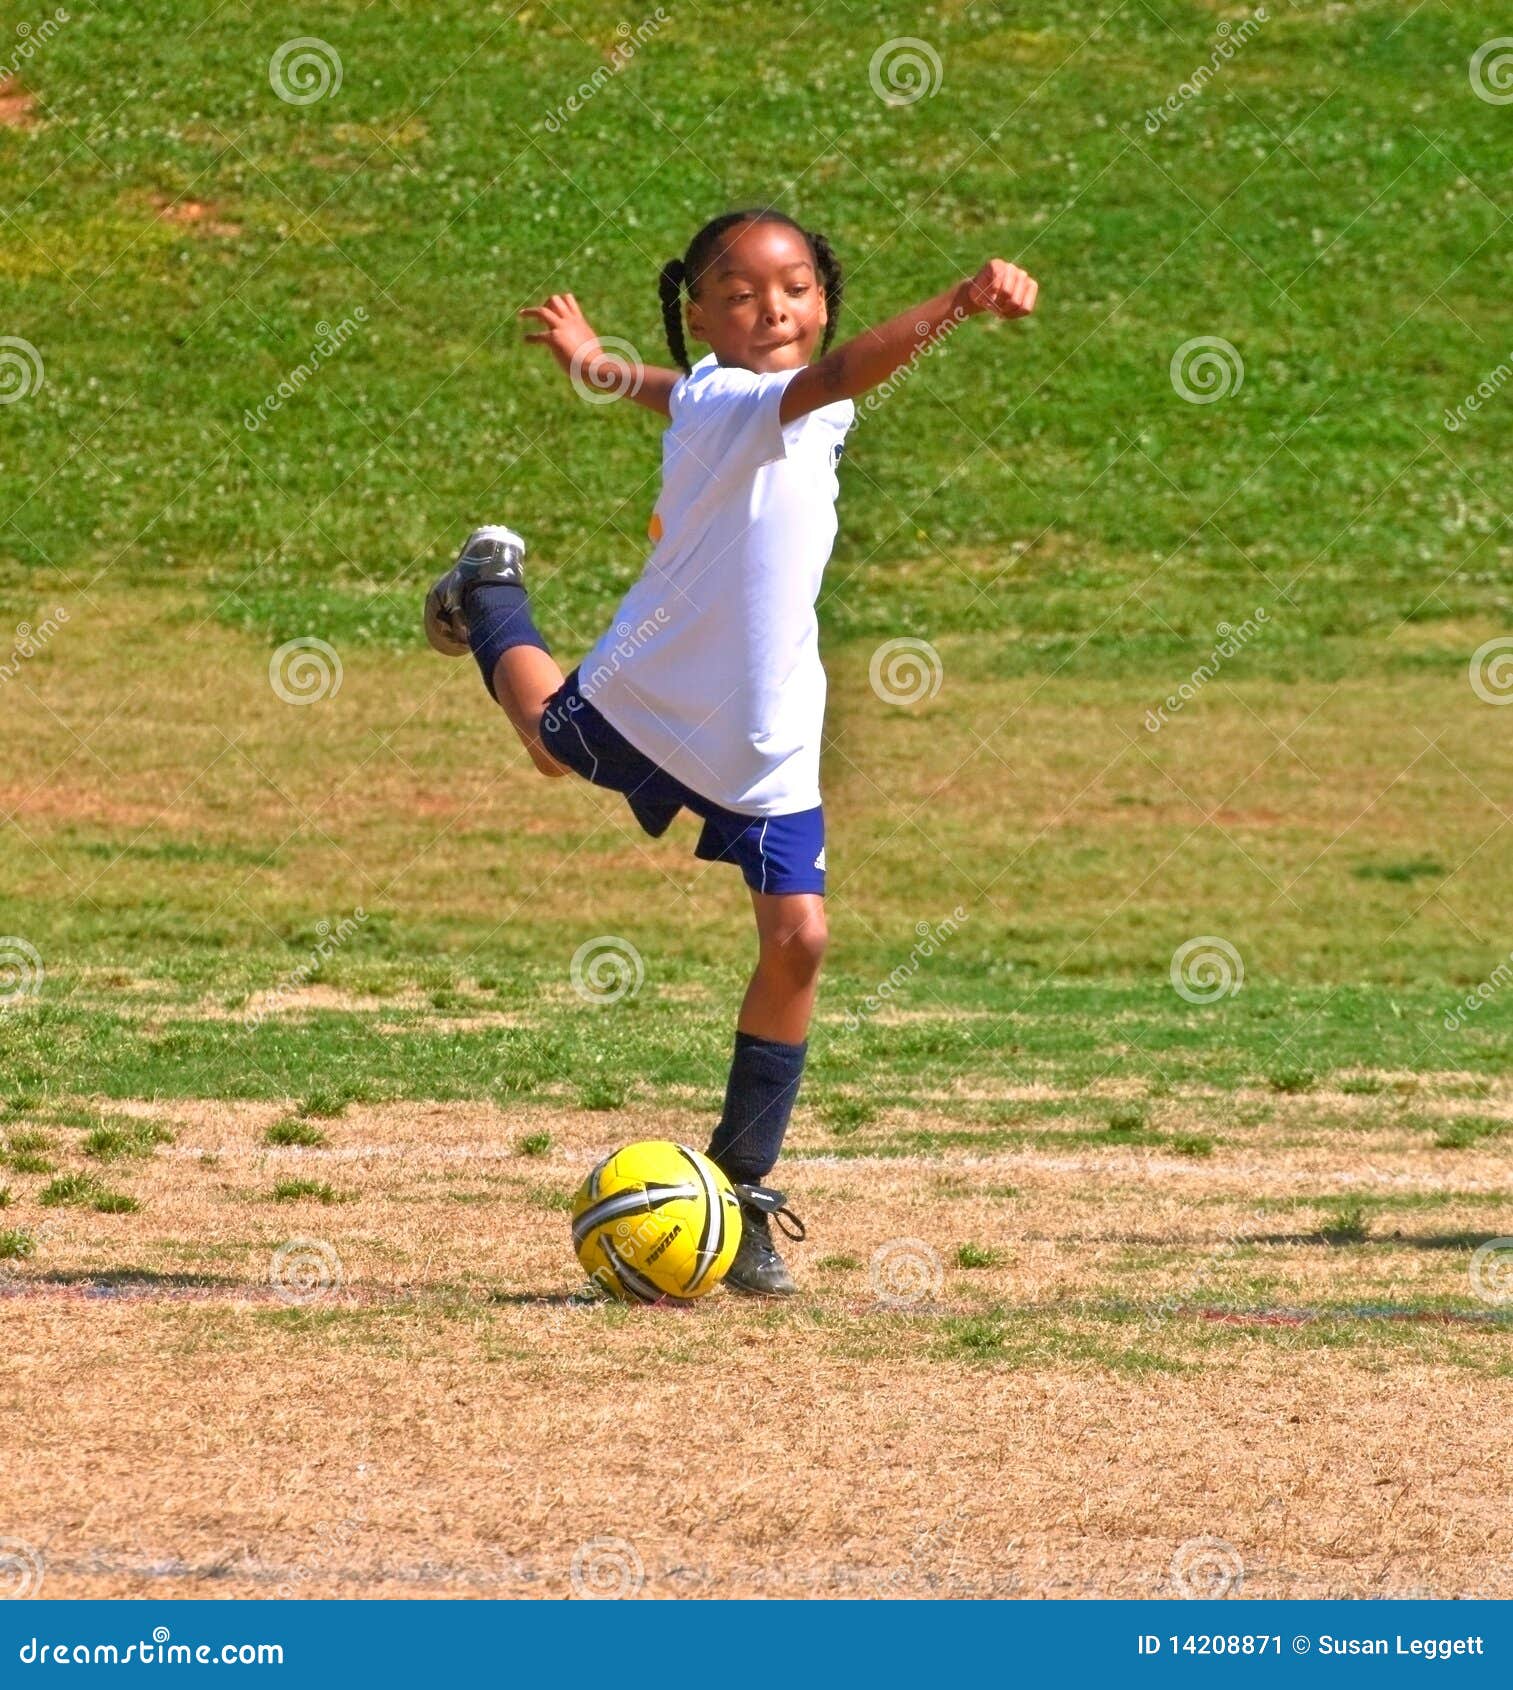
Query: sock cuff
754	1041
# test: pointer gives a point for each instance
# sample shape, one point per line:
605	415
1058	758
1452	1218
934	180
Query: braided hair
680	275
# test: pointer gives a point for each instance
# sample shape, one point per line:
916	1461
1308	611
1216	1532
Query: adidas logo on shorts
819	861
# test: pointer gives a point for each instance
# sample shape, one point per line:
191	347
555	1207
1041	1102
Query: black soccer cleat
491	554
758	1270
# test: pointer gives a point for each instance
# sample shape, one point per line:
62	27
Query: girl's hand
565	333
1002	288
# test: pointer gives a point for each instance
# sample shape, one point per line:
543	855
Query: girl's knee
800	950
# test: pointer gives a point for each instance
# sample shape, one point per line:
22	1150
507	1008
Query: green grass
134	1140
16	1246
977	1256
294	1132
306	1190
1321	803
1346	1223
83	1191
535	1144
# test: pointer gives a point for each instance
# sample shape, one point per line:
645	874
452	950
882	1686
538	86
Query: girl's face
759	305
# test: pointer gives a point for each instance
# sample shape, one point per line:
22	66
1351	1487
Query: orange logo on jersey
654	528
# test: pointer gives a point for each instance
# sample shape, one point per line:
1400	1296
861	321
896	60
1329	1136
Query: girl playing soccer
716	703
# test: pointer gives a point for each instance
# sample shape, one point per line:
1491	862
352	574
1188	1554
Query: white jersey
712	668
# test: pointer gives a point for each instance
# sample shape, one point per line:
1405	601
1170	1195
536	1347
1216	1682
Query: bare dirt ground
1162	1378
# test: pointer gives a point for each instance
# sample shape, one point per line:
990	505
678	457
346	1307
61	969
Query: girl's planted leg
770	1047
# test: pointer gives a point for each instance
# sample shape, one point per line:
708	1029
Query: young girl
715	700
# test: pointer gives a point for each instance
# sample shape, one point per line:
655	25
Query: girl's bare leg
524	678
791	938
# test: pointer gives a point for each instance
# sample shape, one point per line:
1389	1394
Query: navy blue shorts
774	853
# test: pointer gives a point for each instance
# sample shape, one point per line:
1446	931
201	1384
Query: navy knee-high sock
499	616
759	1098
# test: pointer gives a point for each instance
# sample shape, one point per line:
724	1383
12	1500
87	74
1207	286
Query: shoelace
766	1201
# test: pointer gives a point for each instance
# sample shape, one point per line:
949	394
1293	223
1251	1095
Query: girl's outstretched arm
566	335
868	359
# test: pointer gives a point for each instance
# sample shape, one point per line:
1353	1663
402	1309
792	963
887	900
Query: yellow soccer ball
656	1221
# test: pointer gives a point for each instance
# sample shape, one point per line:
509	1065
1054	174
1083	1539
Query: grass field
1122	1278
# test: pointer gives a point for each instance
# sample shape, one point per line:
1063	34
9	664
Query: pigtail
829	267
670	287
